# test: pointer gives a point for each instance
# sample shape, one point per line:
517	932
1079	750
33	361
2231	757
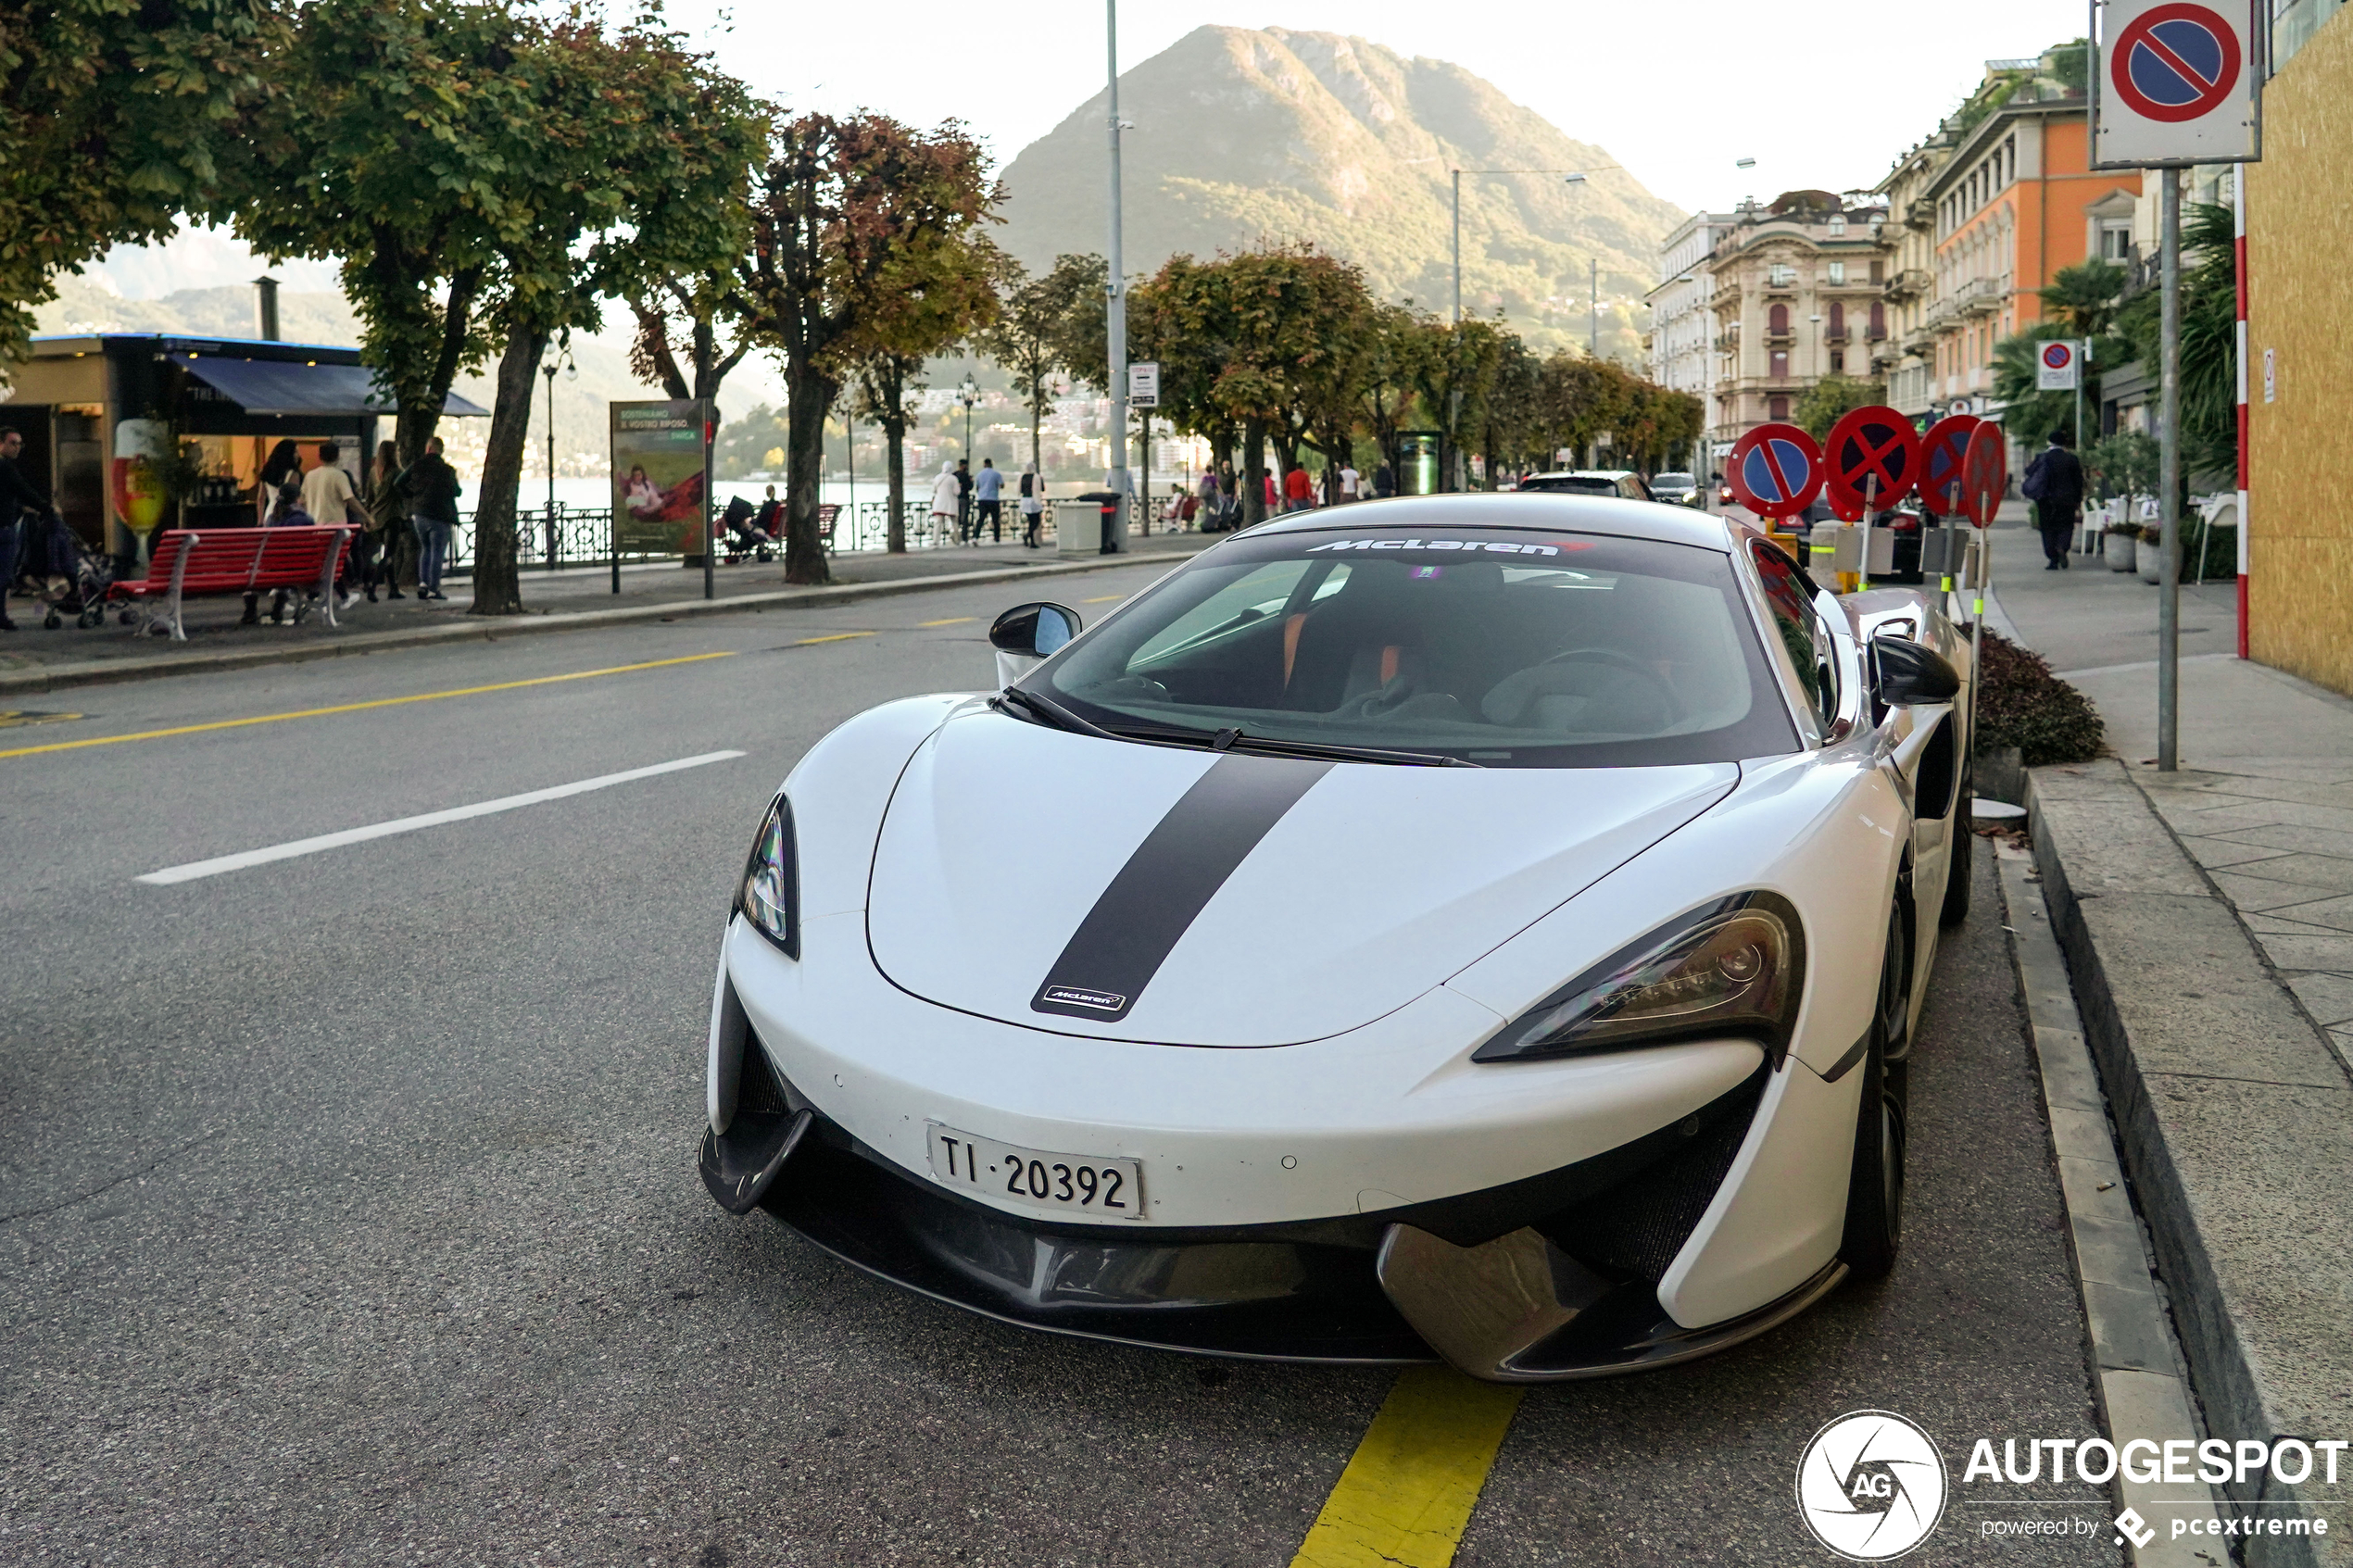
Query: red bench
234	560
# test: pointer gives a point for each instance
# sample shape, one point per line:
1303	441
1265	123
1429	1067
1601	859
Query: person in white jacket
946	495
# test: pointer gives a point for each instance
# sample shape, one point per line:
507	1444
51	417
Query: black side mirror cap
1905	674
1034	631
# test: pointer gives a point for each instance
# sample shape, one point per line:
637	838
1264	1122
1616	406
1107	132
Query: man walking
17	495
988	488
1351	484
963	501
432	489
2055	484
328	496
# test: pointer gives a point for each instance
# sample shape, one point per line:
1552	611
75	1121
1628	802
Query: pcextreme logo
1870	1486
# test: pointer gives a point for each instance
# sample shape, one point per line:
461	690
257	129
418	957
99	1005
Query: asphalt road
348	1211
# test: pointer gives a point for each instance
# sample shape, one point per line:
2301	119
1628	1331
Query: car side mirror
1026	633
1905	674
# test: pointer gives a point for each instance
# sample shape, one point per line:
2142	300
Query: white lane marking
198	869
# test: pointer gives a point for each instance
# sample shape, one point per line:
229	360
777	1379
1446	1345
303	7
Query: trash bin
1074	542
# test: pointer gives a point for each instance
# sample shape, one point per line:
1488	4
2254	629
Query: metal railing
551	541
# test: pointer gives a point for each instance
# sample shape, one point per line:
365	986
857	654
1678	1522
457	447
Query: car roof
1580	474
1538	511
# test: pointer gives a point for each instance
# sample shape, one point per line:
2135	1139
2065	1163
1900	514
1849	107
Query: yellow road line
1404	1499
361	707
836	637
1102	598
951	620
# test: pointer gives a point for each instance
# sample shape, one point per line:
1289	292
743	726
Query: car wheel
1875	1190
1964	845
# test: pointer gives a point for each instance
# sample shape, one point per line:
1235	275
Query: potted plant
2118	545
2148	555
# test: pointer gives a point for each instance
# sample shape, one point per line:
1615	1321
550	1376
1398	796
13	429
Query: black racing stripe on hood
1166	883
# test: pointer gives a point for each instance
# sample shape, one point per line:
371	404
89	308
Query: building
1905	357
2013	204
1679	345
1797	293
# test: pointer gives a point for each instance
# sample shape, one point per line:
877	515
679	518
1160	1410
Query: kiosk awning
282	387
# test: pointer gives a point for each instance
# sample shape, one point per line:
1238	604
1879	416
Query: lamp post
1574	177
968	394
572	373
1593	274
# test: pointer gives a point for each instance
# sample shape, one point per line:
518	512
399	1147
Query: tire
1875	1188
1955	908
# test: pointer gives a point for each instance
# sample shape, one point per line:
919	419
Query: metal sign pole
709	547
1981	542
2169	480
1870	505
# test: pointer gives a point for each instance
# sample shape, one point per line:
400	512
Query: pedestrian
988	488
1351	484
946	496
963	501
388	521
284	462
432	487
770	520
1272	498
328	496
1384	481
1032	507
1299	491
1212	503
287	510
2055	484
18	495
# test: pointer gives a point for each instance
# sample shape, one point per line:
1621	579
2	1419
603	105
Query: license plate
1084	1185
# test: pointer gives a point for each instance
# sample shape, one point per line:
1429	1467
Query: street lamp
572	373
1594	275
968	394
1574	178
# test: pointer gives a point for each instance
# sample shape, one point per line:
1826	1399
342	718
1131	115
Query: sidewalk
2208	918
34	659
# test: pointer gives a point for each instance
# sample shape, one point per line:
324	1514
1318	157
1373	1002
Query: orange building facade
2014	204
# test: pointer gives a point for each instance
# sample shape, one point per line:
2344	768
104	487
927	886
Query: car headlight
769	895
1734	967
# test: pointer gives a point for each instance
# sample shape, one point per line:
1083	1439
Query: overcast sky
1822	96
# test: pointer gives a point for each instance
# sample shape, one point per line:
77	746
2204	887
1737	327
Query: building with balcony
1681	344
1797	292
1904	358
2012	203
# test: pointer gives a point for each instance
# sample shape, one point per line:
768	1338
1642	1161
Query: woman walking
388	525
947	501
1033	505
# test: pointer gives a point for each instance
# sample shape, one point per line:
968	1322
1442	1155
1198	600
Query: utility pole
2169	476
1458	246
1116	310
1593	304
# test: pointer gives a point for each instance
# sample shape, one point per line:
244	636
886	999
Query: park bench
233	560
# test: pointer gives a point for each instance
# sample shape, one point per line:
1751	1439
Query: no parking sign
2175	81
1776	470
2058	368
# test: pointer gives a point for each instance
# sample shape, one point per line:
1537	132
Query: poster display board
658	501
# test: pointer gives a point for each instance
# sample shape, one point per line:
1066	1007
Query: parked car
1623	482
1676	489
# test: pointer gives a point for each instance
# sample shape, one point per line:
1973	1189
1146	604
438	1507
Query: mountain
1247	137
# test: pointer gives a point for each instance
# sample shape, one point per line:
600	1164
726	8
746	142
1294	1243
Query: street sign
1941	451
1873	457
1776	470
1985	473
2176	83
1143	384
2059	368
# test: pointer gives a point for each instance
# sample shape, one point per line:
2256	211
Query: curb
2138	1369
2221	1091
491	629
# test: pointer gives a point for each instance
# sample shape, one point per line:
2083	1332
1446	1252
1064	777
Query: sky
1822	96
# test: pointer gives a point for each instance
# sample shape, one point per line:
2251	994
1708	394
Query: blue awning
280	387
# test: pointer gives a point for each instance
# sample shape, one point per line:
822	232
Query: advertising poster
657	503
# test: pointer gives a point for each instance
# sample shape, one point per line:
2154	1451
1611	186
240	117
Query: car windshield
1673	481
1501	648
1574	483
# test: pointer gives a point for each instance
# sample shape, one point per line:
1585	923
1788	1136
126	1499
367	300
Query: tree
1040	321
2209	340
387	147
1830	399
624	160
842	212
1454	380
2082	299
885	384
116	117
699	306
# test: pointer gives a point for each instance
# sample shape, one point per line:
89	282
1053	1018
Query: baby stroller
741	537
56	569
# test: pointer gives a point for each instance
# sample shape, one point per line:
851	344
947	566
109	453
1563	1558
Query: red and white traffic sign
1874	457
2059	367
1985	473
1776	470
2176	84
1941	452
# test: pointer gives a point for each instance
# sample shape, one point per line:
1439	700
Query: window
1838	362
1505	646
1776	320
1780	275
1779	365
2116	241
1837	318
1879	272
1838	225
1879	321
1838	272
1789	594
1777	407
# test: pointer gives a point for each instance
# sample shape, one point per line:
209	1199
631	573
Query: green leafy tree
623	161
2209	340
682	344
115	121
1040	323
840	213
1454	380
1831	399
2082	299
388	147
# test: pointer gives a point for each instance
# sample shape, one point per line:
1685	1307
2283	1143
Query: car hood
1149	893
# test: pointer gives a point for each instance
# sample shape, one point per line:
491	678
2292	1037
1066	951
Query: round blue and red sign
2058	356
1776	470
2173	63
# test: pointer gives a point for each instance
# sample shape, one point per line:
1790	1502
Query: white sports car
1189	991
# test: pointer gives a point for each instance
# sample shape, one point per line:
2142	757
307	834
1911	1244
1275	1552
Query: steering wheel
1616	660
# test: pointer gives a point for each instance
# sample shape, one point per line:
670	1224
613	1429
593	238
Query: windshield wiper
1236	740
1055	715
1051	714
